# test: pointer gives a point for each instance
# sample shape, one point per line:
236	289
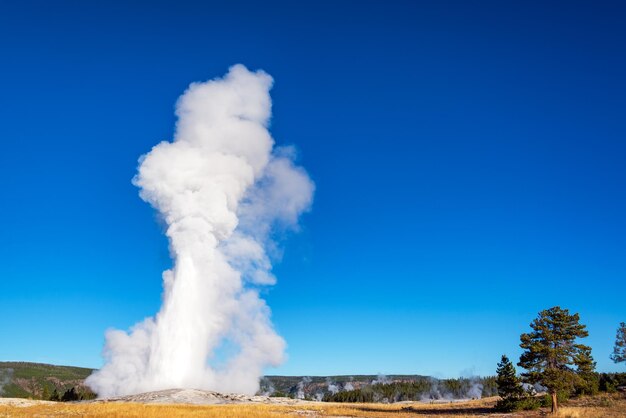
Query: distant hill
38	381
311	385
31	380
377	388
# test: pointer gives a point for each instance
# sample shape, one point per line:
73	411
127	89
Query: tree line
69	395
419	389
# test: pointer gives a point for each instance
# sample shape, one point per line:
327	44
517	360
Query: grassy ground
599	407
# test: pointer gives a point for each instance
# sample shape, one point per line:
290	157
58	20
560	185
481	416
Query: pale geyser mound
222	190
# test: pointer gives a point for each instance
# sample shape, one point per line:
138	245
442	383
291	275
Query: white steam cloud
5	378
332	387
381	379
301	386
222	188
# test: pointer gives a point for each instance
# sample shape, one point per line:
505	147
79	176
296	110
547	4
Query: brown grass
613	407
602	406
141	410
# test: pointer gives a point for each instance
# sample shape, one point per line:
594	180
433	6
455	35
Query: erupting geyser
221	189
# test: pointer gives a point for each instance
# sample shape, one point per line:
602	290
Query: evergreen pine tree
70	395
551	350
45	393
588	380
619	351
509	386
55	395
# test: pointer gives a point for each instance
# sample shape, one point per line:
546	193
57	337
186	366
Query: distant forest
63	383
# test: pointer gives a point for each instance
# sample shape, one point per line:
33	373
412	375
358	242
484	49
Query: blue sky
469	164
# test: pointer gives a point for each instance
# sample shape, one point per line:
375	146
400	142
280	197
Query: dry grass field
599	407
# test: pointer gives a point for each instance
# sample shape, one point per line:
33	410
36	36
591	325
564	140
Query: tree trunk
555	406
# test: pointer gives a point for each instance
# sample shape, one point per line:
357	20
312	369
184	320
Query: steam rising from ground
5	378
301	386
221	188
331	386
381	379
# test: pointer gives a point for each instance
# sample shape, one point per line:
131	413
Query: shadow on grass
477	410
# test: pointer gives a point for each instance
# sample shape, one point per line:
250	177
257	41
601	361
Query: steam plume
5	378
302	384
381	379
332	387
221	189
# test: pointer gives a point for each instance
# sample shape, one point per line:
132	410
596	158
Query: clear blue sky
469	163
